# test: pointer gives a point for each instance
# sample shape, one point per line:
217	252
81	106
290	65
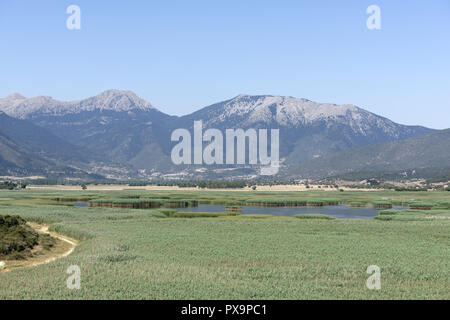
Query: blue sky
184	55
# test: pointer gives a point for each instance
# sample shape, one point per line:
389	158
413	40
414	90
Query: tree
83	186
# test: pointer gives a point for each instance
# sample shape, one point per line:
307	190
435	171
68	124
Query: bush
16	238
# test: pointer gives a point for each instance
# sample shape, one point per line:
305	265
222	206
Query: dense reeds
314	216
233	208
357	204
125	203
421	205
186	214
292	202
382	204
142	203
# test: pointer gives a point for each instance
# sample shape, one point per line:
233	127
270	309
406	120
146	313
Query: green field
144	254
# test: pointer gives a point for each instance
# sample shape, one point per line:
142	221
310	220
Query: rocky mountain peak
15	96
18	106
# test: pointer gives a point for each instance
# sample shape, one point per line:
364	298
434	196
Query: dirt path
63	250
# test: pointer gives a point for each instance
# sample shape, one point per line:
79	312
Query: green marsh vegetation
127	253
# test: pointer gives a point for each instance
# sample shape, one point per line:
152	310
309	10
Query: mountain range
116	134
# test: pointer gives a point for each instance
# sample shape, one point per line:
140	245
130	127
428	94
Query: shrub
16	238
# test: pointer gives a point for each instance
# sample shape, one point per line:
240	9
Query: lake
340	211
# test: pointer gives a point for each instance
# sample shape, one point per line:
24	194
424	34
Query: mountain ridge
117	126
18	106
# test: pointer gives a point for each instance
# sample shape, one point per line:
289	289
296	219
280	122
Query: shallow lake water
341	211
81	204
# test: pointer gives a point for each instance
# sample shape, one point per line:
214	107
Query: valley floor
137	254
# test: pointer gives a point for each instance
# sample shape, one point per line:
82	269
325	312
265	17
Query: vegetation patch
16	238
167	212
421	205
233	208
314	216
125	203
142	203
382	204
357	204
187	214
292	202
389	212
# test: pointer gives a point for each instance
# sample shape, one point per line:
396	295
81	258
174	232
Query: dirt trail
51	256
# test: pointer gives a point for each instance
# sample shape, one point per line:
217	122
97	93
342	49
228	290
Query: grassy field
143	254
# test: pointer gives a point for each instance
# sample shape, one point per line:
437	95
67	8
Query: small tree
253	187
83	186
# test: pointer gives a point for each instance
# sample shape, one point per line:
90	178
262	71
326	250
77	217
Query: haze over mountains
119	135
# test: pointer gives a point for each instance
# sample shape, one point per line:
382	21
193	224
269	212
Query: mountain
116	125
18	106
26	149
18	160
307	129
118	131
430	151
40	141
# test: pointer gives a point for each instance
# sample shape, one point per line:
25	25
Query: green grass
139	254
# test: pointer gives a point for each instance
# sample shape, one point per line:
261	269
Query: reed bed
187	214
314	216
180	203
143	203
382	204
292	202
125	203
233	209
357	204
421	205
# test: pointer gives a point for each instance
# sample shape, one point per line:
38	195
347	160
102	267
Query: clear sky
184	55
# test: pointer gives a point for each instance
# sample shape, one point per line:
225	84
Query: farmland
138	250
